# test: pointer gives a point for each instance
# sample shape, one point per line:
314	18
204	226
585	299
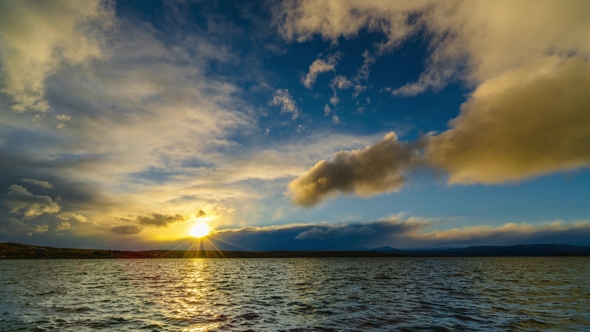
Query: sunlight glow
199	230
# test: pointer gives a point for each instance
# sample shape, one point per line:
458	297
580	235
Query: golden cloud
36	36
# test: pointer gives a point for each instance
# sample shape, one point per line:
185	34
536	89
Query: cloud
527	122
62	226
334	231
365	172
283	98
36	37
315	236
527	115
20	201
43	184
110	161
43	228
126	230
340	82
470	40
301	20
161	220
130	148
524	123
395	231
509	234
317	67
63	117
71	215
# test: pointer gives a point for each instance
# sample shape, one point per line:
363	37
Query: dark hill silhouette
25	251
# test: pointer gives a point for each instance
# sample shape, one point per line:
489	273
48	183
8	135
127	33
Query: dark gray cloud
576	233
396	232
322	236
369	171
21	201
126	229
18	165
40	183
334	231
160	220
10	225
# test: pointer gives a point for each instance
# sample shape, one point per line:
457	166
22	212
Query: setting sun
199	230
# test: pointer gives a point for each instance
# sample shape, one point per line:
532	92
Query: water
356	294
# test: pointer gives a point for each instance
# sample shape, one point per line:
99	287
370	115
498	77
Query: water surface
298	294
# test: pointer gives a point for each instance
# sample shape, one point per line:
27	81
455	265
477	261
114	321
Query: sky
294	125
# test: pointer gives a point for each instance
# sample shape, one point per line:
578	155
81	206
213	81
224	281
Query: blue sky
294	124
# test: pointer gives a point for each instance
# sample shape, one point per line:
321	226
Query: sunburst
200	230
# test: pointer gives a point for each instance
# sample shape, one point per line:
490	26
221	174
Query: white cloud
472	40
340	82
334	100
283	98
317	67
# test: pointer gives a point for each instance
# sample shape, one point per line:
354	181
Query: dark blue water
355	294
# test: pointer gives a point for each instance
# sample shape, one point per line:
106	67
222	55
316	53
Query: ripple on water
357	294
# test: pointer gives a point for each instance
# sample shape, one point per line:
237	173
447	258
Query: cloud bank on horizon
125	125
404	232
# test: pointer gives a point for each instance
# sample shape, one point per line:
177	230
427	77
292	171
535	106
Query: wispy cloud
39	183
491	37
317	67
38	36
71	215
283	98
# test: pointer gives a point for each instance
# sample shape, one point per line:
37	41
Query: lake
296	294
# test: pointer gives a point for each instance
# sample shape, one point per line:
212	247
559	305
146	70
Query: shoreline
25	251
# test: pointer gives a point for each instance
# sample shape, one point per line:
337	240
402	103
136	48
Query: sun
199	230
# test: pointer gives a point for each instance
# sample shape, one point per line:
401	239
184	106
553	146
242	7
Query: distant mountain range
502	251
24	251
